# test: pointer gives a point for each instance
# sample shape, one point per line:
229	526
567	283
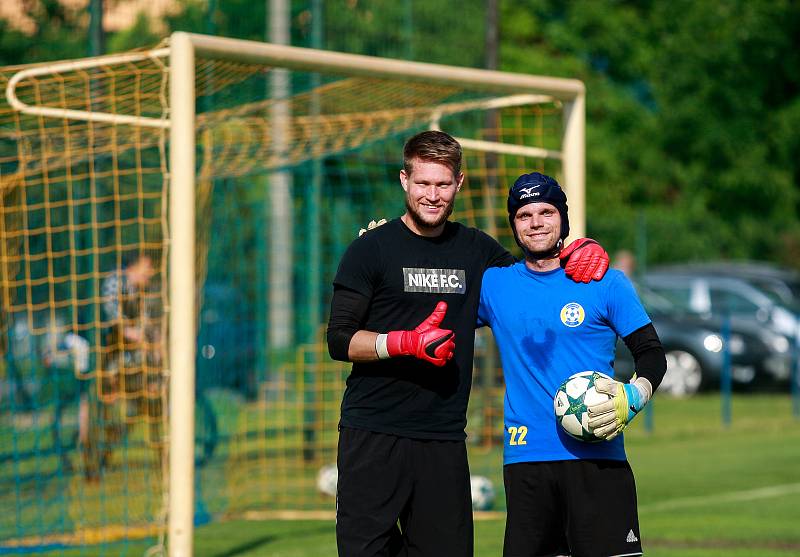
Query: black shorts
582	508
400	496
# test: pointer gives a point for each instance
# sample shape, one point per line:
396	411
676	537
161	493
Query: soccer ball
571	400
482	493
327	477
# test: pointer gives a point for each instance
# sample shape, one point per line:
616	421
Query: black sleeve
360	266
348	313
498	255
648	354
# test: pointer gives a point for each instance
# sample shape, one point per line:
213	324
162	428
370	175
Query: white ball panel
572	425
560	403
575	387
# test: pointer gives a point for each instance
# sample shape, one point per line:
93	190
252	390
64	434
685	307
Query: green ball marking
576	405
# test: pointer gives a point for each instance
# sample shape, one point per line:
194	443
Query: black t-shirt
404	275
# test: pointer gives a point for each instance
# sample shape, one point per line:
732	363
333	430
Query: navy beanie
537	188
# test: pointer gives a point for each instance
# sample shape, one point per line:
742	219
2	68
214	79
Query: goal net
170	223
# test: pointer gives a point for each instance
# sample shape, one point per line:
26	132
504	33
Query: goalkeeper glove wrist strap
381	348
644	387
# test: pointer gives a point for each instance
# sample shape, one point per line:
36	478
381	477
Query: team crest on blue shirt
572	314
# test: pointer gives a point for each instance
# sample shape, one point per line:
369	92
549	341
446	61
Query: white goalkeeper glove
608	419
372	224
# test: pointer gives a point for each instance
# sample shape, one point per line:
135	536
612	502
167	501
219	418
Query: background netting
83	385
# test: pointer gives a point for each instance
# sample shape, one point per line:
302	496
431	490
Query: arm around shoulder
584	260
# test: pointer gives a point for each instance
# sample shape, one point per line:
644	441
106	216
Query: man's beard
423	224
550	253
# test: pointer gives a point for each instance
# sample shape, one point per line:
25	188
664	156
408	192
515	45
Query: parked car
782	285
695	350
724	296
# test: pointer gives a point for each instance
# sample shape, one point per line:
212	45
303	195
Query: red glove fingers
584	260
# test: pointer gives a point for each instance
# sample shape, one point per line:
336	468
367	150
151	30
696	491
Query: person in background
131	363
625	261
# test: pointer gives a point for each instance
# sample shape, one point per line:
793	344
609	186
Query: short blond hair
432	146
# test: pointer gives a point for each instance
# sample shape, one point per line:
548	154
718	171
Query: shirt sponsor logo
572	314
446	281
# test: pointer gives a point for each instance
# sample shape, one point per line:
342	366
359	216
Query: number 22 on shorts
517	435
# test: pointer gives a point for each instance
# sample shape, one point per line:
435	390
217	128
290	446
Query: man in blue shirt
564	496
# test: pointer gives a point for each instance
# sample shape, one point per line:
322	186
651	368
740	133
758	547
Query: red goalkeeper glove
584	260
427	341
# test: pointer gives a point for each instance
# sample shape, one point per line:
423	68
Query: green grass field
704	490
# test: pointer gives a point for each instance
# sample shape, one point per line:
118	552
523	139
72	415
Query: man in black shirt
404	311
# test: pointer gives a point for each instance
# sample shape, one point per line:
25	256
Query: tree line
693	107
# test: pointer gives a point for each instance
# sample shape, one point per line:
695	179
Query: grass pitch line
729	497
